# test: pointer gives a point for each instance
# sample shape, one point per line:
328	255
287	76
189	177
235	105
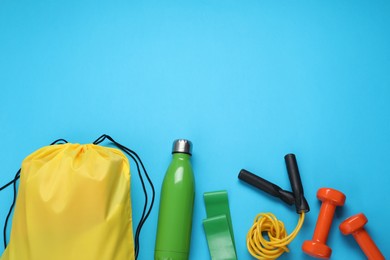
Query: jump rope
278	240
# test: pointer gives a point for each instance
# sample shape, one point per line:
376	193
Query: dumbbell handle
324	222
330	200
367	245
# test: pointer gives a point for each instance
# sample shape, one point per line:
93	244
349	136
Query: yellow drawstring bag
73	203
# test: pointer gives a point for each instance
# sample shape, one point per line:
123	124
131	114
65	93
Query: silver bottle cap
182	146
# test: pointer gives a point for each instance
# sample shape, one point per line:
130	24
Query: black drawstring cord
145	212
13	182
63	141
17	176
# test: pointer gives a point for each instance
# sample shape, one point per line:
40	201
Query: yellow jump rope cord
263	249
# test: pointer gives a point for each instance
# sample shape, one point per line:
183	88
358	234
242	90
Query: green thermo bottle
176	205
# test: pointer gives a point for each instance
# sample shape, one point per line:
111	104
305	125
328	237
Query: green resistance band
218	226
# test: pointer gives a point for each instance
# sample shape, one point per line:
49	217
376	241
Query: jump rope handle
267	186
301	204
296	197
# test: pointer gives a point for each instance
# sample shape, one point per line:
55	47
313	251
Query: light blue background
246	81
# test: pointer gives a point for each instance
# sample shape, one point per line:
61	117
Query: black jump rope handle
269	187
296	197
301	204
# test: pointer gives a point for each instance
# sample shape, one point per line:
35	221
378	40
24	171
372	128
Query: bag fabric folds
73	203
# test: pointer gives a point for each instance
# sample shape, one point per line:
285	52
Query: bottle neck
181	156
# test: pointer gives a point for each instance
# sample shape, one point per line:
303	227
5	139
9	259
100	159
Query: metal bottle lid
182	146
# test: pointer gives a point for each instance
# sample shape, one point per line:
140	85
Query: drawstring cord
138	162
13	182
146	211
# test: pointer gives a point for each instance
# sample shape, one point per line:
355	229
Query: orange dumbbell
330	199
354	225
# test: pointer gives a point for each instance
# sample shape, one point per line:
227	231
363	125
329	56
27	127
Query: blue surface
246	81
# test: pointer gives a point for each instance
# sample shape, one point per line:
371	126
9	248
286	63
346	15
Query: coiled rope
263	249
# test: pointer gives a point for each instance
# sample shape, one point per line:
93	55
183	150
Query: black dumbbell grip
266	186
